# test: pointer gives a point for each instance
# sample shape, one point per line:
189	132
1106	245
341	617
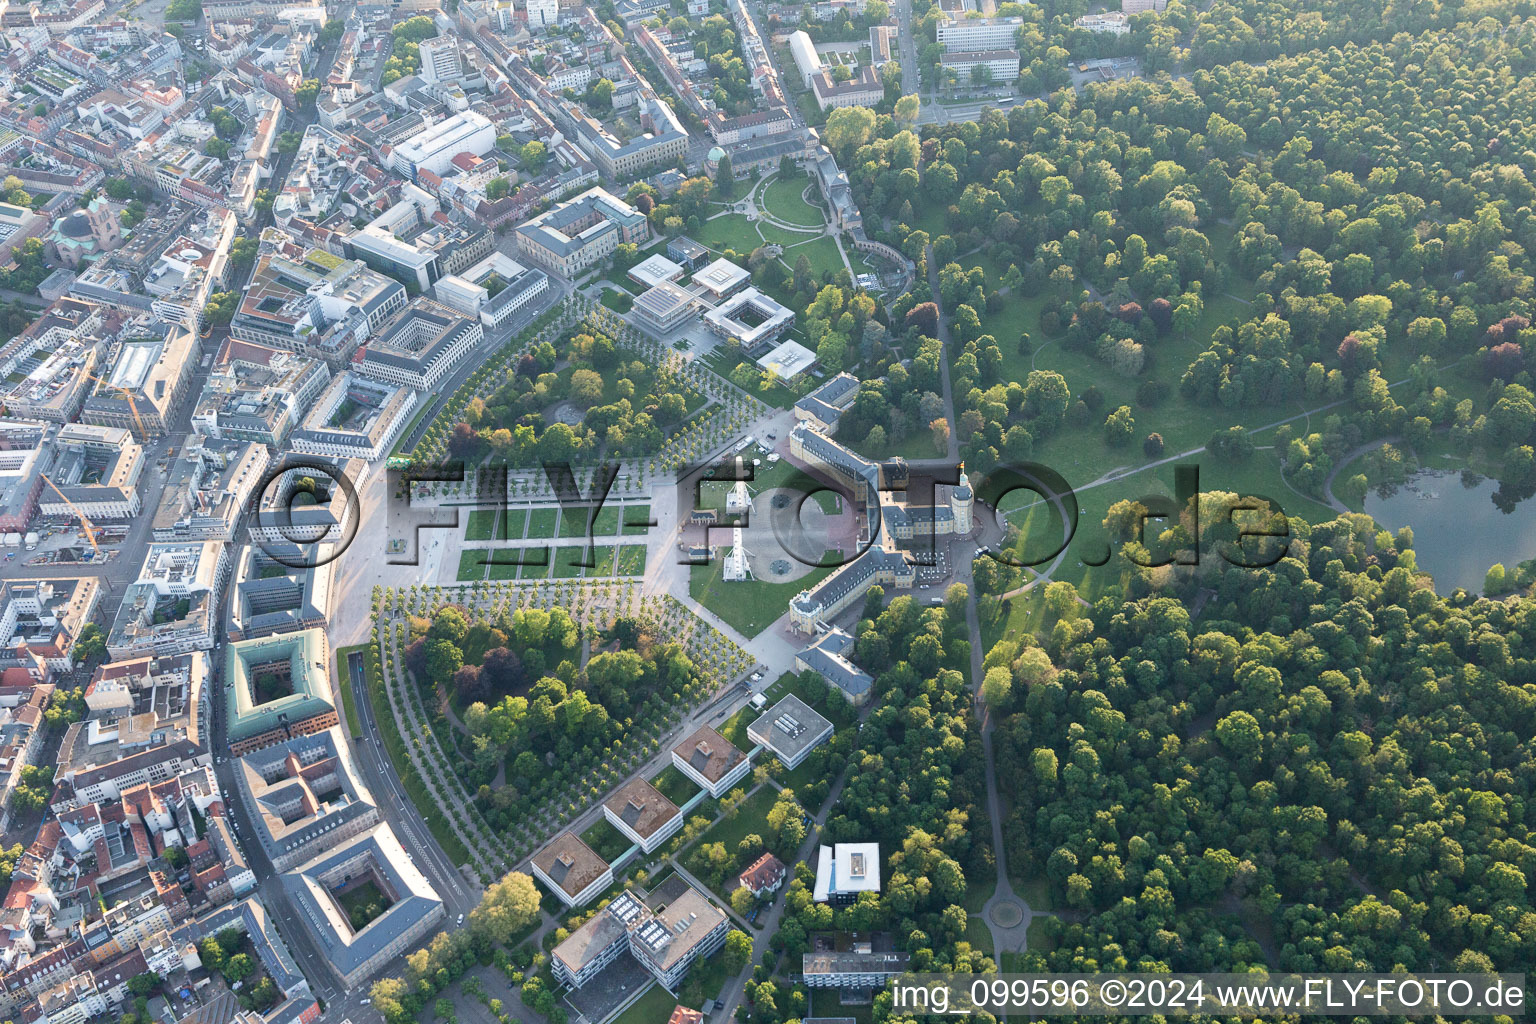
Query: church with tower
887	525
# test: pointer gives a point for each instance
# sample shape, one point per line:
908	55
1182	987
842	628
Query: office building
419	347
711	761
970	34
791	729
828	656
845	870
643	815
666	942
207	489
665	307
750	318
277	688
493	289
440	59
354	949
571	870
306	796
434	147
576	234
95	473
279	588
1001	66
355	418
170	608
863	90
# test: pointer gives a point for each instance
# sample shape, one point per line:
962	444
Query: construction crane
132	405
90	528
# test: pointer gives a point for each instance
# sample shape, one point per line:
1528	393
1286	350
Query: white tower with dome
960	501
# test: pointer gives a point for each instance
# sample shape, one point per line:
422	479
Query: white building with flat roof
788	360
1002	65
1114	23
653	270
722	278
750	318
969	34
804	51
434	148
664	308
845	870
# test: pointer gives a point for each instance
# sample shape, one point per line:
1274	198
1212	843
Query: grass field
821	251
730	232
618	301
344	684
652	1008
782	198
568	563
472	564
751	817
710	974
602	559
675	786
606	522
979	936
631	560
541	522
573	522
513	520
504	564
637	520
750	606
606	841
482	524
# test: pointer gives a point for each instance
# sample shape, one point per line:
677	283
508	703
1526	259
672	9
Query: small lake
1458	532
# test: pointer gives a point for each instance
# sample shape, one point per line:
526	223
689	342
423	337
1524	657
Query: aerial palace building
886	521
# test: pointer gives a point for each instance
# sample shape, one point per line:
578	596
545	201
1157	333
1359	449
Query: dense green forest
1326	770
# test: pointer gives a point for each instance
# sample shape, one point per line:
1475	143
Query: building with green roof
277	688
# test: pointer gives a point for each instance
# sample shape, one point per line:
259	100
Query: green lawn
978	891
822	252
675	786
637	520
631	560
1037	936
782	198
751	606
512	522
652	1008
482	524
568	563
618	301
606	522
733	231
735	727
750	817
979	936
602	558
344	684
541	522
606	841
573	521
709	975
472	564
504	564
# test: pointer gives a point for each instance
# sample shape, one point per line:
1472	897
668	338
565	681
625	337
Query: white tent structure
736	567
